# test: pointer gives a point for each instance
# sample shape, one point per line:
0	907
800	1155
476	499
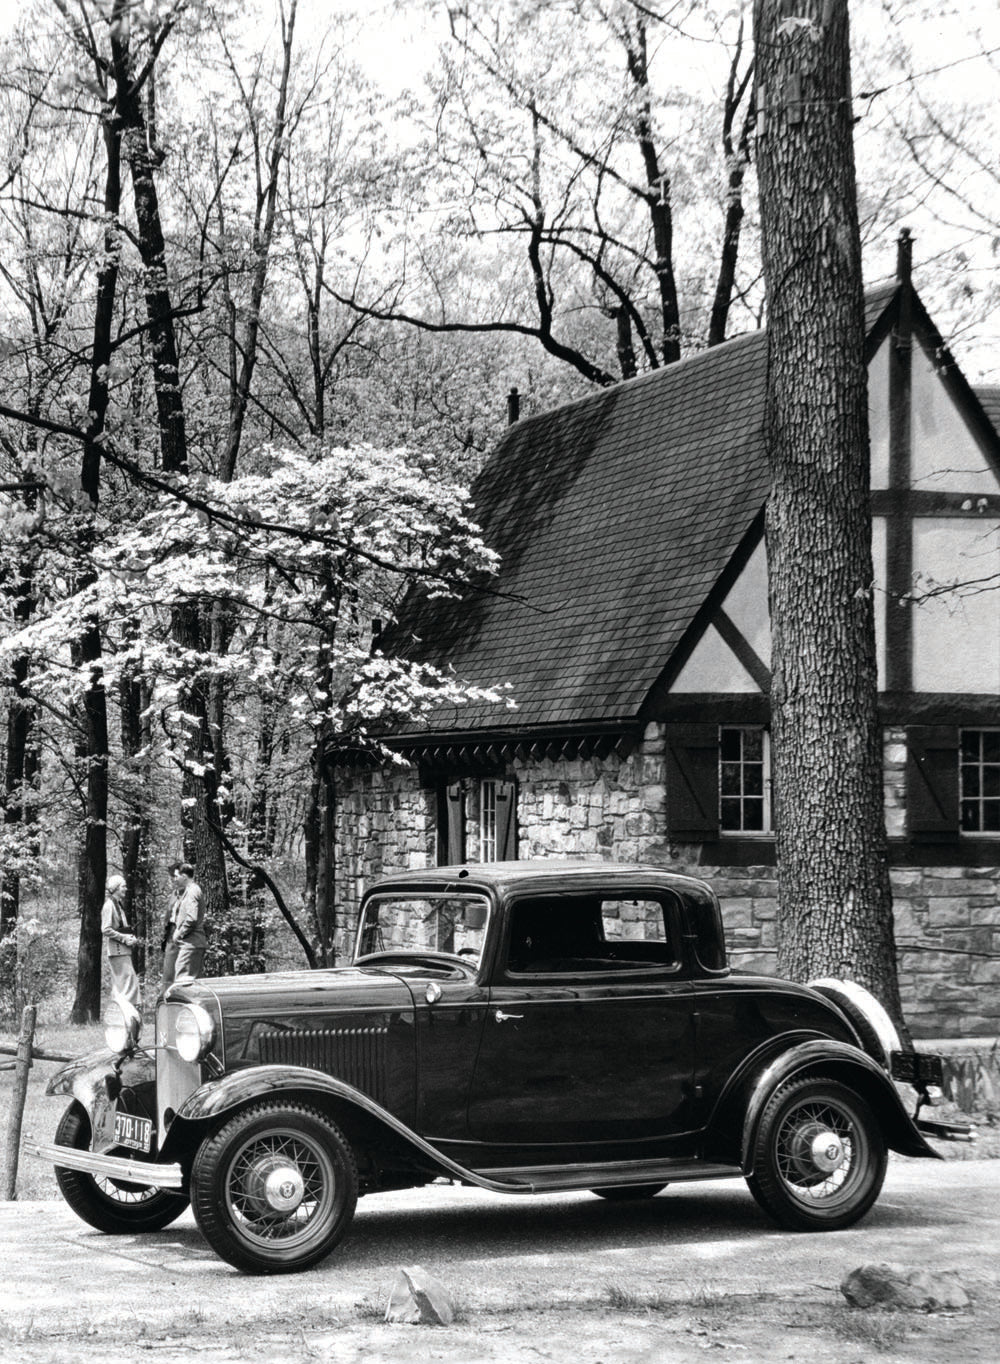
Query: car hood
296	992
351	1023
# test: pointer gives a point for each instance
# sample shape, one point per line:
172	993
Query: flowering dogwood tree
310	557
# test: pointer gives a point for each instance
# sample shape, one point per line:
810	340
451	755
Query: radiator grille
356	1055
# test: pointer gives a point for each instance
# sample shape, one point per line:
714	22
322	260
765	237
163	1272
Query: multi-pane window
744	780
487	821
476	820
979	781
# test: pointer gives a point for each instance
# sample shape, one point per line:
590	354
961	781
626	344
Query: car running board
605	1175
946	1131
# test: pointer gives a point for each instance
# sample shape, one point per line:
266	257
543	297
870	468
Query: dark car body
557	1026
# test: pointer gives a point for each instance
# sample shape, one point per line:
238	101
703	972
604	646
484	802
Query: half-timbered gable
630	620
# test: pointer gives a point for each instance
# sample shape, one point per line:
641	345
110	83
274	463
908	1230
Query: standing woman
120	940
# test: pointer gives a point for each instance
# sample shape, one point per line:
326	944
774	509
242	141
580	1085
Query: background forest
268	273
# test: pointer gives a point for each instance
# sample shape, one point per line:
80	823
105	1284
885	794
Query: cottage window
744	780
488	821
979	781
477	819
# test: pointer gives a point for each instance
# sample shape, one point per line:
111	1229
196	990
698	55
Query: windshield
423	924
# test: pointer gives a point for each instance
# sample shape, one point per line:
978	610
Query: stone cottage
633	629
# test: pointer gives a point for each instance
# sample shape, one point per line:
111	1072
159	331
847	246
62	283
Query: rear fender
830	1060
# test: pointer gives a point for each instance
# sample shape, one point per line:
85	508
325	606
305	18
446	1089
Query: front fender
96	1080
217	1097
833	1060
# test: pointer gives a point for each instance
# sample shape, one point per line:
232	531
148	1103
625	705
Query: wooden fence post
21	1068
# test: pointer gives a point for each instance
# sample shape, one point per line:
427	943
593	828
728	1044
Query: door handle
501	1017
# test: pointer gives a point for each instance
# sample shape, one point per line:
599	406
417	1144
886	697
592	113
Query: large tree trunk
658	203
19	756
267	205
136	840
93	755
200	811
835	902
92	746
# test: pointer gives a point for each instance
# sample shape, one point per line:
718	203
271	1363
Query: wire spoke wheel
120	1191
274	1189
819	1157
116	1206
279	1186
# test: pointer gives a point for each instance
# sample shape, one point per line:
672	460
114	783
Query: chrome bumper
143	1172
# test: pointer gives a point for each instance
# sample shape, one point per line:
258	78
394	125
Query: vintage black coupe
525	1027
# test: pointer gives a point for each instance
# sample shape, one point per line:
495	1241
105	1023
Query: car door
588	1035
449	1015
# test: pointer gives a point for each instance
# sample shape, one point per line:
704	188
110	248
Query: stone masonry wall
614	809
385	823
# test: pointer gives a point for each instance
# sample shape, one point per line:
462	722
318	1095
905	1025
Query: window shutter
693	781
932	782
451	824
506	795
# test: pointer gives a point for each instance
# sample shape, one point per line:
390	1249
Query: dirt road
565	1278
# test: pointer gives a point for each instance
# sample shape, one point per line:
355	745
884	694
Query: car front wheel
274	1188
819	1156
111	1205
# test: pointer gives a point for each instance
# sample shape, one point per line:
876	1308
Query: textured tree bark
201	777
19	758
136	838
835	901
92	746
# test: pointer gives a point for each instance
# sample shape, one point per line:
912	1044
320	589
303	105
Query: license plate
918	1068
133	1132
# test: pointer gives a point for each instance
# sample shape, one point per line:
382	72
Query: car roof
548	873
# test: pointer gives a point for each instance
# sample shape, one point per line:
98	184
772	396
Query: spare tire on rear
869	1019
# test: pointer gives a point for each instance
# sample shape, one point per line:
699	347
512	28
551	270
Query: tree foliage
260	313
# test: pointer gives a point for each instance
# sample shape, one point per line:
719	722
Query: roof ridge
661	373
685	363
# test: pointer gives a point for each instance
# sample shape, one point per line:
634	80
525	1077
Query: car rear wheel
819	1156
628	1193
274	1188
110	1205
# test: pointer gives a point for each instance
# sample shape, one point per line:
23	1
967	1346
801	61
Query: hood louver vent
355	1055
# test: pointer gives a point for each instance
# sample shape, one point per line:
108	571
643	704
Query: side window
639	931
488	820
979	781
744	779
574	935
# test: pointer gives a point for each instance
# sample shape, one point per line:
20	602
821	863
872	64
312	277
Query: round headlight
194	1032
116	1031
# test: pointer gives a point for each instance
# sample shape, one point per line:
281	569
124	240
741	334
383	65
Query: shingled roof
989	396
614	517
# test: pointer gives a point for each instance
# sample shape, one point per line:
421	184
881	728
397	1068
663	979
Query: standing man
119	941
189	925
170	947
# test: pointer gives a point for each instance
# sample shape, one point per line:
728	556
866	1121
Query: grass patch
622	1299
35	1179
881	1331
710	1300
